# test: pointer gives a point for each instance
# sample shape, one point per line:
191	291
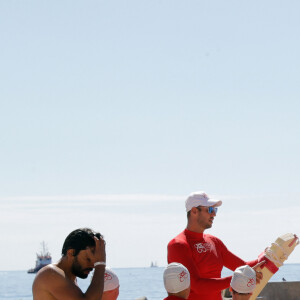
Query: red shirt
204	256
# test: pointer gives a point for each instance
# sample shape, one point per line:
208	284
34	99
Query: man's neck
194	228
240	297
181	294
66	268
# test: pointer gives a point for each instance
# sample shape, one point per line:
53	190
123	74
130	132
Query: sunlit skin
238	296
58	281
81	264
259	274
200	220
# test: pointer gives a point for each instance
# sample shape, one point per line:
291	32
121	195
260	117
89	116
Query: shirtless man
83	250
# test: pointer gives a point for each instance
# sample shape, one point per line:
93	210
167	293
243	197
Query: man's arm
231	261
181	253
97	283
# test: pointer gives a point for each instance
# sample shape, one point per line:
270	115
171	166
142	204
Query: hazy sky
112	112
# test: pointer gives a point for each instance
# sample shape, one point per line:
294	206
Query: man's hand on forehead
92	248
97	252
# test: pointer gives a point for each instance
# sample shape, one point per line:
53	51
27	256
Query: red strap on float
293	241
268	263
261	256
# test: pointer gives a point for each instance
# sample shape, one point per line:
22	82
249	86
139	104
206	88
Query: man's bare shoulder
49	279
48	272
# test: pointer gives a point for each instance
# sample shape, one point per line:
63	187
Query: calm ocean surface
134	282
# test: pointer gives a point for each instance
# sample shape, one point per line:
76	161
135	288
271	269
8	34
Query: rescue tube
274	257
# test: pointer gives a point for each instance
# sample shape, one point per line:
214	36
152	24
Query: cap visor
214	202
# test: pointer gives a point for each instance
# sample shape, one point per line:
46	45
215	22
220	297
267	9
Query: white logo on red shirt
203	247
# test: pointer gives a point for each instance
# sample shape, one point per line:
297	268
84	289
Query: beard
205	224
78	271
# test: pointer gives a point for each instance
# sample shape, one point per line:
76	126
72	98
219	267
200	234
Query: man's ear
194	210
70	253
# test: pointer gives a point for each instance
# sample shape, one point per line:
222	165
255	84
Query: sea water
134	282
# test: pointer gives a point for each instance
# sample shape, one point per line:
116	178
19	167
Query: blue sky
148	99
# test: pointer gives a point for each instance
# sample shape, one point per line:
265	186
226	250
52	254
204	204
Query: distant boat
153	264
42	259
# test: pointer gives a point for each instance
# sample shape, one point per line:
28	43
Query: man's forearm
95	290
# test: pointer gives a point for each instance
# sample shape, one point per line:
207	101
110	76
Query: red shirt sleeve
231	261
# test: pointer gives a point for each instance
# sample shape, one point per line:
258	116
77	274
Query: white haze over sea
112	112
137	228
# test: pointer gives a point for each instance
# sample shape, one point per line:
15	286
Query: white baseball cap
200	199
243	280
111	280
176	278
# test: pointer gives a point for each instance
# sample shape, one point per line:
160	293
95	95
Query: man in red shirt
204	255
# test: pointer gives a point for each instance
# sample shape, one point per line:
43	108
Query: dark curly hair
79	239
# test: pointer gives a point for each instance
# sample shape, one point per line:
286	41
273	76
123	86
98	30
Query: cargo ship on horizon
42	259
